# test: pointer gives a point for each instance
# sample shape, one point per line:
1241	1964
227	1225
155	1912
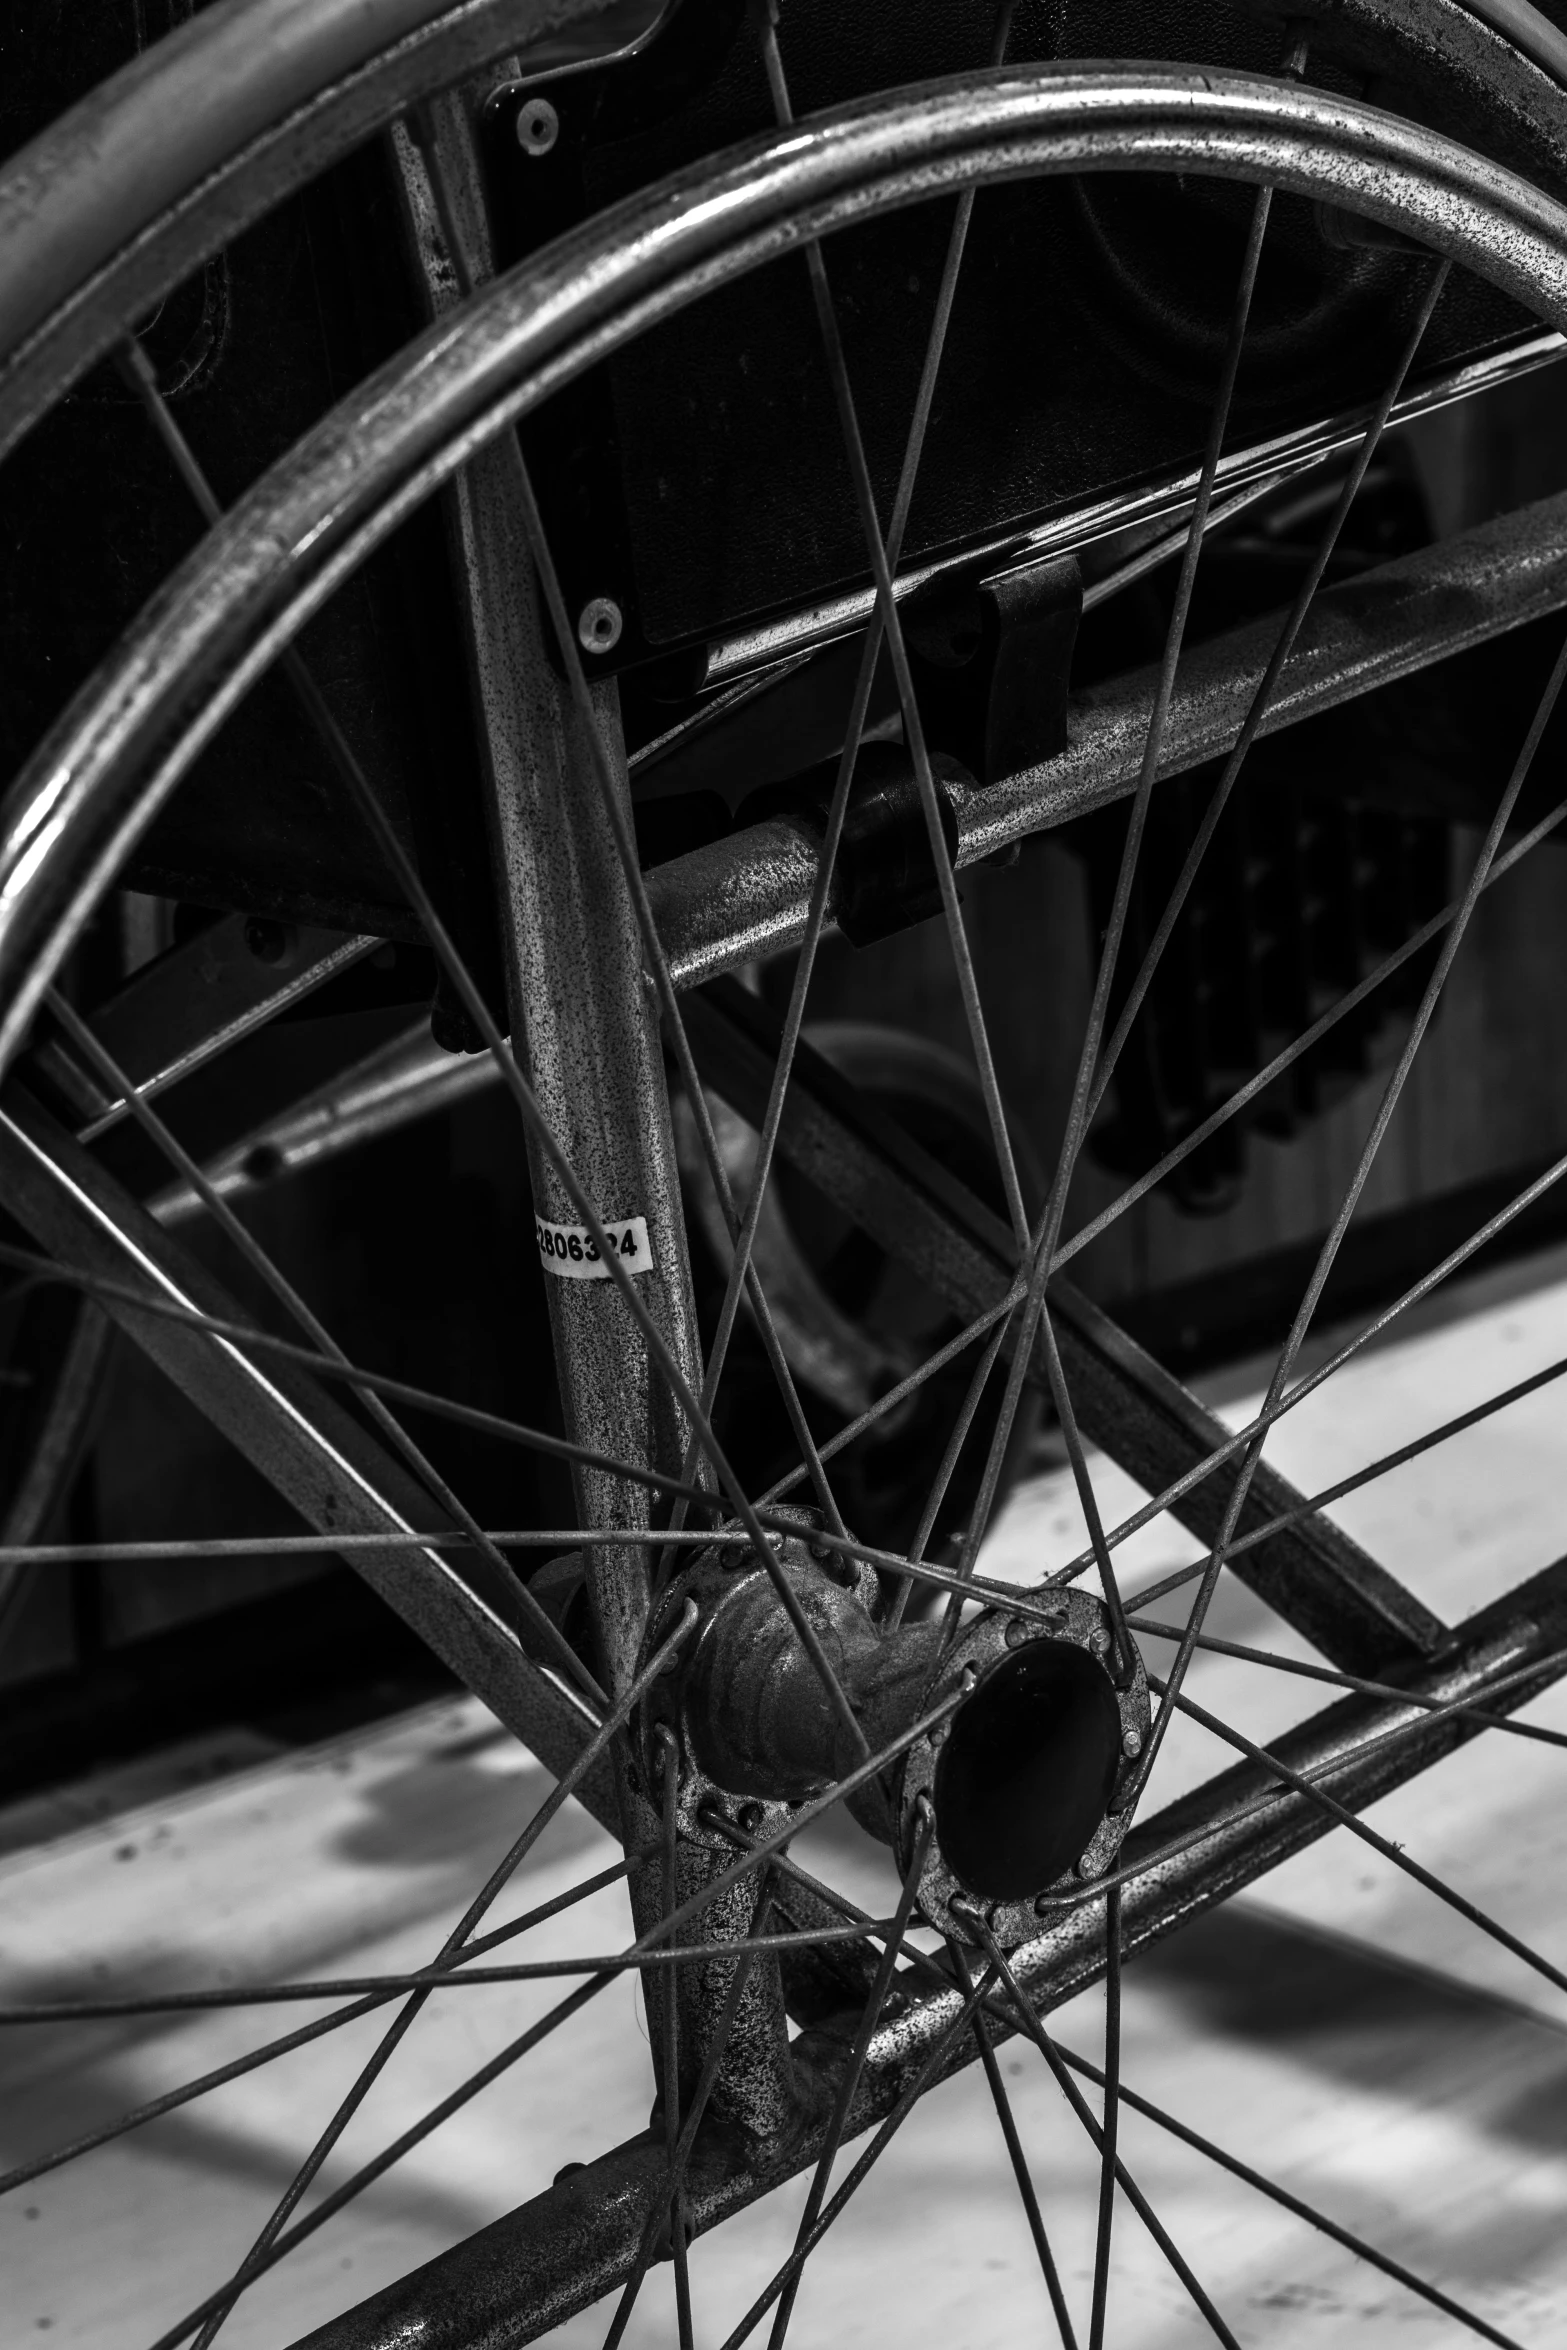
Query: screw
268	941
1132	1743
599	625
538	126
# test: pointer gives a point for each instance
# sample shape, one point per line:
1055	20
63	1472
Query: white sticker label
571	1252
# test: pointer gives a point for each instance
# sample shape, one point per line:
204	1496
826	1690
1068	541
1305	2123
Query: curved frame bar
89	793
104	213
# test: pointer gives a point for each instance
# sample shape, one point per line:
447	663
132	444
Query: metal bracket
886	876
992	660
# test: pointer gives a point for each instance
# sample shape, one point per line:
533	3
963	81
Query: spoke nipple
599	625
1132	1743
538	126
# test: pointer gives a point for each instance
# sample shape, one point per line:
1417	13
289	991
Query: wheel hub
1021	1775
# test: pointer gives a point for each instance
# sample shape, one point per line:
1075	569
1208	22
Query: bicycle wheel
715	1674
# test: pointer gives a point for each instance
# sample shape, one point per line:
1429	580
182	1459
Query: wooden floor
1340	2028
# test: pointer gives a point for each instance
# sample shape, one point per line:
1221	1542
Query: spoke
1043	1243
757	1852
332	2204
808	2242
499	1878
1296	2204
849	2085
1294	622
1111	2125
764	13
1012	1598
1302	1044
1162	550
1371	1750
1018	2159
219	2078
938	1492
671	2049
1338	1680
1388	1461
1330	1247
907	1386
681	2155
407	875
244	1334
870	654
445	1974
1308	1386
1042	2040
152	1125
1305	1785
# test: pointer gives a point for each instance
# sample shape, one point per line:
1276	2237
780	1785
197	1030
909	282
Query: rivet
538	126
599	625
1132	1743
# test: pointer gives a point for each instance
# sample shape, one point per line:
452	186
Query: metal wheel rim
82	802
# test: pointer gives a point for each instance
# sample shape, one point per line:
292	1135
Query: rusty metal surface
323	1461
748	894
585	1016
526	2273
87	797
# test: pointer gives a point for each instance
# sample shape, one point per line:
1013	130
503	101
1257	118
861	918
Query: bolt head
268	941
599	625
538	126
1132	1743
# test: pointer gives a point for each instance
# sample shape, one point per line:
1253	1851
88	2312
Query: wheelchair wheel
641	506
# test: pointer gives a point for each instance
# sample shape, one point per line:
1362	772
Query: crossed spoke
708	1484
